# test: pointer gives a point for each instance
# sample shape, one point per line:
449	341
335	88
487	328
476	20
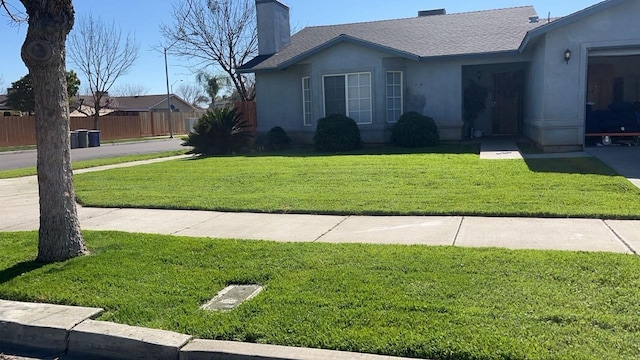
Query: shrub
218	132
337	133
277	139
415	130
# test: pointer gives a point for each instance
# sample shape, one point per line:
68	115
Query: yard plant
415	130
452	182
218	132
415	301
337	133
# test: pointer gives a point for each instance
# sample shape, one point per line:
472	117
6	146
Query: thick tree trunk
96	117
44	54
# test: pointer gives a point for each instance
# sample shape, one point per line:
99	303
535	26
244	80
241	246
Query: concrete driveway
624	159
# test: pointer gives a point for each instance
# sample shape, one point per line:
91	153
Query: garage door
613	93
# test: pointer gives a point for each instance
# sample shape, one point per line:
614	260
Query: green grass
444	183
5	174
430	302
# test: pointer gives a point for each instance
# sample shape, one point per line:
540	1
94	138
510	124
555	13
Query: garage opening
613	98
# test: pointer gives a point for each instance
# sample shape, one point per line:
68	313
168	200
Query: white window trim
386	85
306	111
346	94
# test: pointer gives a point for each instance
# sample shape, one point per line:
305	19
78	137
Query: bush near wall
337	133
415	130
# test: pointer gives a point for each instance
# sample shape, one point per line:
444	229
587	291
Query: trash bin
74	139
94	138
83	138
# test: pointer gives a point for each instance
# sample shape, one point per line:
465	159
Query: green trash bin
94	138
74	139
83	138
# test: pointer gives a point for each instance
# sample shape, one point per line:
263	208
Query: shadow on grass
19	269
582	165
454	149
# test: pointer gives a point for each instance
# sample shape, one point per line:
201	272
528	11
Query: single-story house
130	105
3	106
540	73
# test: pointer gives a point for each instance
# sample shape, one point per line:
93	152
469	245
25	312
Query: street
24	159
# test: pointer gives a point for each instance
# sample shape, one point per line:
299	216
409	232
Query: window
349	95
394	96
306	100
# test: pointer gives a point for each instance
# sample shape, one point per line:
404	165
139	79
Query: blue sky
143	18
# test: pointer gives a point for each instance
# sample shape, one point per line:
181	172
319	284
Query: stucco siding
564	91
434	89
279	100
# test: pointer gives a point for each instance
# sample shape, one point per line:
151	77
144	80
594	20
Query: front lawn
416	301
445	183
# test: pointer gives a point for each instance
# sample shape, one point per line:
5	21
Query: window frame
307	101
346	86
387	97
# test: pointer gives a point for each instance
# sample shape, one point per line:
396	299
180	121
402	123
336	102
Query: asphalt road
23	159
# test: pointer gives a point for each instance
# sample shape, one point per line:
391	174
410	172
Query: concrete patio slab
539	234
405	230
147	220
628	231
214	349
43	326
116	341
494	149
275	227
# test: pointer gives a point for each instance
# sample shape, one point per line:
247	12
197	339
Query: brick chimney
274	29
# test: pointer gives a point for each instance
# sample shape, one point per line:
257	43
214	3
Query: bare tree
3	89
215	32
43	52
192	94
102	54
130	90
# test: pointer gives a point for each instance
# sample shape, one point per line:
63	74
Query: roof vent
424	13
534	19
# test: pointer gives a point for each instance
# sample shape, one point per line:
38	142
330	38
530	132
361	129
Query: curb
71	330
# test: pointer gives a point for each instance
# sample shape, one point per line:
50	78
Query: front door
508	89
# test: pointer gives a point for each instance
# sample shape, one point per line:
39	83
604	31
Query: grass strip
415	301
445	183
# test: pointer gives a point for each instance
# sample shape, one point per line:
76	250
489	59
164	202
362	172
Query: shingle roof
480	32
137	103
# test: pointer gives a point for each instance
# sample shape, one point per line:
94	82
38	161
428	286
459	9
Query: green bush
218	132
277	139
415	130
337	133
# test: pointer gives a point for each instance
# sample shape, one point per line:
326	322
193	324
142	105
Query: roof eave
482	55
567	20
337	40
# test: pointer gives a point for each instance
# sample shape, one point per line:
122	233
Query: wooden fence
20	130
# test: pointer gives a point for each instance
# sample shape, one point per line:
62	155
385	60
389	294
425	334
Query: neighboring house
131	105
540	73
3	107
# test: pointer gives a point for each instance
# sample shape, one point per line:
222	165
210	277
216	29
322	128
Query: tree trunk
44	54
96	117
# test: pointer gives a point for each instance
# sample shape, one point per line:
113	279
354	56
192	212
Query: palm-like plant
218	132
